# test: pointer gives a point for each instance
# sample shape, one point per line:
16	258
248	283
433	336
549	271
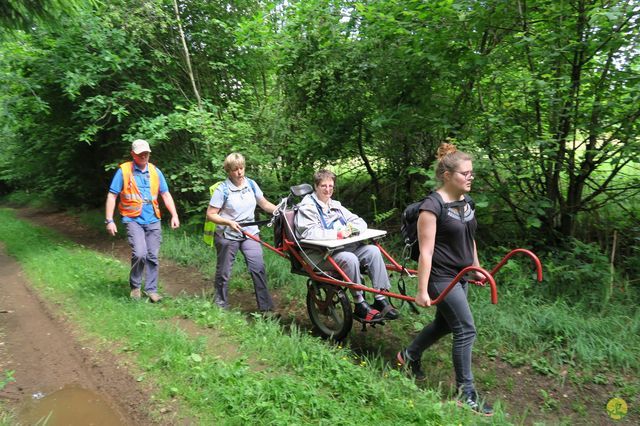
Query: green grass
535	325
7	417
23	198
532	324
301	379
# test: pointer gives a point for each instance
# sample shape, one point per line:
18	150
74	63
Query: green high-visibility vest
210	227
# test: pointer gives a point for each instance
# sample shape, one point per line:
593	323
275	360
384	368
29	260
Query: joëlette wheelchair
328	304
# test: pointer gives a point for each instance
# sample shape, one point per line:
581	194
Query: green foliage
549	403
580	274
80	94
189	250
561	322
384	216
20	198
23	14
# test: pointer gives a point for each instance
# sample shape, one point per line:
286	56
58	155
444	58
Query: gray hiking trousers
226	251
144	241
369	257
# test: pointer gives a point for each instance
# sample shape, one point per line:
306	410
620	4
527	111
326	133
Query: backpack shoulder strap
252	184
443	207
469	200
225	190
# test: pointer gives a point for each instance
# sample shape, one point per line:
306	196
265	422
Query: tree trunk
187	57
365	160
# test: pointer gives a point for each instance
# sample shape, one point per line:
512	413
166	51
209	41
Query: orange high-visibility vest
131	200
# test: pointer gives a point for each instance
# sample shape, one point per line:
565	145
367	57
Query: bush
578	275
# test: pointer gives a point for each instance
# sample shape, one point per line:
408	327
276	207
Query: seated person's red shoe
387	311
365	313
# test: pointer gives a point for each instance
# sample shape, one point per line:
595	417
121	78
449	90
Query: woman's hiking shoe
473	401
415	367
386	310
365	313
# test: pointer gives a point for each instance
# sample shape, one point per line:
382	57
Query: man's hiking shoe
473	401
386	310
270	314
154	297
414	366
365	313
135	294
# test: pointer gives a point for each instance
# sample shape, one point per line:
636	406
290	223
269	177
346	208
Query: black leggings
453	315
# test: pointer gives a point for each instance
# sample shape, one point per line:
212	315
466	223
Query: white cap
140	145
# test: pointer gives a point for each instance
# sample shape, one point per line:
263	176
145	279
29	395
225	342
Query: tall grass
300	380
532	320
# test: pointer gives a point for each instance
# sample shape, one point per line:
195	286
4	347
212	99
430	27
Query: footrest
372	322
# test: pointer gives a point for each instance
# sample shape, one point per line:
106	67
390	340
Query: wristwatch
108	221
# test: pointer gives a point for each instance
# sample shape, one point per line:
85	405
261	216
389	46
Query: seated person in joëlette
319	217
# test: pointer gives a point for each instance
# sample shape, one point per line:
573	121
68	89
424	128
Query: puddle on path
70	406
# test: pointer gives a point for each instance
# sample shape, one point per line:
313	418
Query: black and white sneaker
473	401
414	366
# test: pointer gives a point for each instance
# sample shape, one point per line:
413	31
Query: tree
559	110
23	14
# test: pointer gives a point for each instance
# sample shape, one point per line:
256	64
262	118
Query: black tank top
453	248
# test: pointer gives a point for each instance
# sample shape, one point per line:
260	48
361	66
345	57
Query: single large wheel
329	310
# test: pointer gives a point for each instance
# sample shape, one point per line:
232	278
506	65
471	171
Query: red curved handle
533	257
488	277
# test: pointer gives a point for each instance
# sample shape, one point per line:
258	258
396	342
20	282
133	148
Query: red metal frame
289	249
533	257
278	251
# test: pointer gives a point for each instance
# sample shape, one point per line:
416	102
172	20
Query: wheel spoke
334	315
329	310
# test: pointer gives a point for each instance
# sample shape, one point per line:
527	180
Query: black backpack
409	221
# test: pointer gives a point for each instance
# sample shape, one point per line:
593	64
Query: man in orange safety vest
138	184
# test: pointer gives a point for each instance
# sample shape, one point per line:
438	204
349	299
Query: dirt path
42	350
